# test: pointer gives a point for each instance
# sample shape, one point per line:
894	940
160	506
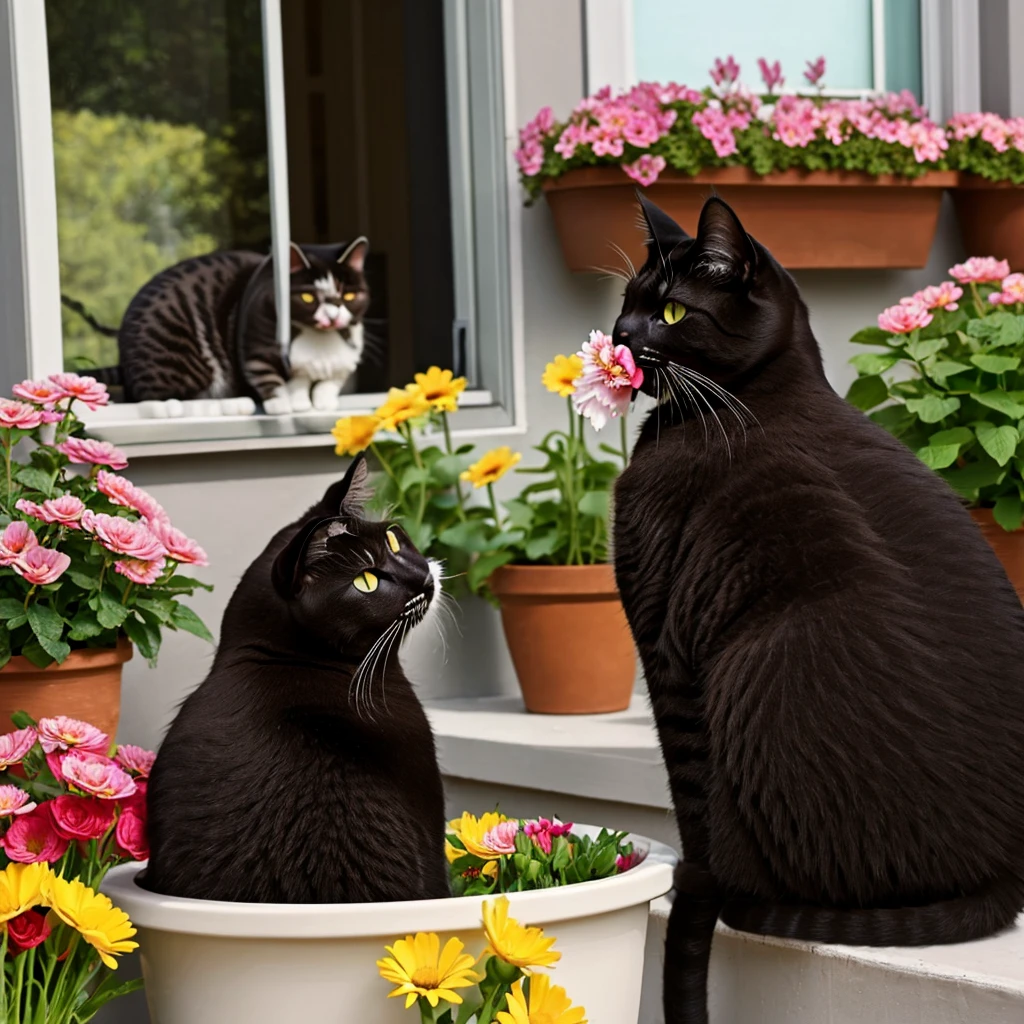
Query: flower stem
426	1013
411	441
978	304
28	596
450	451
570	488
127	591
494	507
7	458
384	464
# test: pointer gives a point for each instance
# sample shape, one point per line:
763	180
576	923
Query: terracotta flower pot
816	219
86	686
1009	547
991	215
568	636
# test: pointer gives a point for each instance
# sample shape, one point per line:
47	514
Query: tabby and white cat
206	329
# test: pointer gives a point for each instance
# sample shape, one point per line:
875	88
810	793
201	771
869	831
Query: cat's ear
723	250
663	233
354	254
350	494
297	259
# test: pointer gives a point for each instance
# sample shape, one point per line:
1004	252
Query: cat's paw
243	406
174	408
301	401
325	398
277	405
154	410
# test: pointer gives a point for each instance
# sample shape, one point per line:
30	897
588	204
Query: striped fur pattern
833	652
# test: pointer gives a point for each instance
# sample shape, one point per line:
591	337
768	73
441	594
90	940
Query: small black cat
289	775
207	328
833	653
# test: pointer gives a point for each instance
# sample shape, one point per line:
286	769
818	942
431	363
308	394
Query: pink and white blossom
17	539
502	838
66	510
140	571
96	775
904	318
771	74
64	733
815	71
135	759
88	452
122	491
87	390
980	270
178	545
725	72
609	376
41	392
13	801
124	536
15	745
936	296
19	415
1011	291
40	566
645	169
543	830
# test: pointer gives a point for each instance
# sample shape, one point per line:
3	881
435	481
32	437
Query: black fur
833	652
281	782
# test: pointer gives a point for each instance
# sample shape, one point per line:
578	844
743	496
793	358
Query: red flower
131	833
33	838
78	817
26	931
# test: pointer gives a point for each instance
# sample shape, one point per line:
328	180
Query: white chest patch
326	355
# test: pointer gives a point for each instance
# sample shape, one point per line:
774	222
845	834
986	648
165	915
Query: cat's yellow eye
365	582
393	541
673	312
349	296
307	296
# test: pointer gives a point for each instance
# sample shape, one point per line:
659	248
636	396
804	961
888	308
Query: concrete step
759	980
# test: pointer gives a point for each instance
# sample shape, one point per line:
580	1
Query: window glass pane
903	46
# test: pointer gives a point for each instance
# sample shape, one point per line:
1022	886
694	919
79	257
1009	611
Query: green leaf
969	479
1008	512
36	654
871	336
109	613
413	477
471	535
520	514
921	350
595	503
999	328
482	568
11	608
35	479
999	442
85	625
897	419
48	626
17	622
448	468
867	392
874	362
179	584
932	408
956	435
995	364
1000	401
541	544
85	580
186	619
144	636
942	369
938	456
5	646
161	607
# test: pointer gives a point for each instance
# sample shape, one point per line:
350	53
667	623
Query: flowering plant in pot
68	813
948	381
763	150
88	561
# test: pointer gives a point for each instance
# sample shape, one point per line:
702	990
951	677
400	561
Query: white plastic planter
208	962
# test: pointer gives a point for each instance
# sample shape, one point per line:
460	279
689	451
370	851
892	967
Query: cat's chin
434	598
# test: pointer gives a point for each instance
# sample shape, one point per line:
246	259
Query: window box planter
808	219
991	216
208	962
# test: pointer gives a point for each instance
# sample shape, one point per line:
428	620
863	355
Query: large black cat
291	772
833	653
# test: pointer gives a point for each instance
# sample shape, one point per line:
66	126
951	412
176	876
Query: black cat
834	655
302	770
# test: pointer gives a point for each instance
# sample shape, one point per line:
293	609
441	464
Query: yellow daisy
91	914
491	467
560	375
402	404
419	967
523	947
548	1005
471	830
354	434
19	888
441	388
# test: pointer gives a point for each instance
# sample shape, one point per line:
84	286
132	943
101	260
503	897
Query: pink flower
771	73
725	73
89	391
717	128
14	800
609	377
815	71
19	415
66	510
32	838
124	537
903	319
630	860
543	830
178	546
42	565
123	492
81	817
15	745
502	838
15	541
96	775
137	801
139	571
87	452
645	169
131	834
30	508
530	157
980	270
941	296
64	733
1012	291
27	930
135	759
42	392
51	415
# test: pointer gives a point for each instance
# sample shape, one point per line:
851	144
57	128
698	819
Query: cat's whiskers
611	273
625	259
699	393
357	685
738	408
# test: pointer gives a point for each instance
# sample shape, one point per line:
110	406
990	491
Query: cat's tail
691	927
76	307
986	911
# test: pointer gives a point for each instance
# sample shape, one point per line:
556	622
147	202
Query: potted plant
948	381
988	150
207	962
68	813
542	555
88	561
822	182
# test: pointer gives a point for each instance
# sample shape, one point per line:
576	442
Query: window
166	120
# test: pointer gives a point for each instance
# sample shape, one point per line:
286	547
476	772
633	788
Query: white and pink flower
17	539
15	745
123	536
178	546
122	491
87	390
1011	291
609	376
96	775
936	296
19	415
544	830
66	510
135	759
140	571
645	169
88	452
904	318
41	392
64	733
980	270
502	837
40	566
14	800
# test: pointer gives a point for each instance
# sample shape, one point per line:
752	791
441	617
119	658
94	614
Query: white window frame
486	228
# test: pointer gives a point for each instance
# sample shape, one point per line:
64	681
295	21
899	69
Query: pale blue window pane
903	45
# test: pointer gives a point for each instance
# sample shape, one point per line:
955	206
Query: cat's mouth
416	608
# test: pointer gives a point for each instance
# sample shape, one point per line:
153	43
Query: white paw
244	406
325	398
278	405
174	408
153	410
301	402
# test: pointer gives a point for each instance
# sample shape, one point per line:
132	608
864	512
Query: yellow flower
491	467
561	374
402	404
441	388
91	914
471	830
354	434
19	888
416	967
523	947
548	1005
